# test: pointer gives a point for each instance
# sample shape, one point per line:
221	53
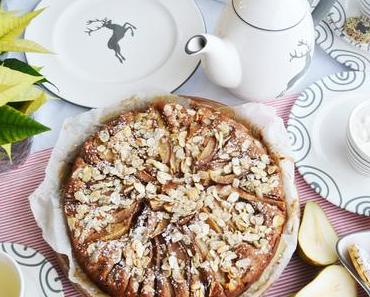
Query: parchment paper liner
46	200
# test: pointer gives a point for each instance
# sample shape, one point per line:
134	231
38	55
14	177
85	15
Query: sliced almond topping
163	177
104	135
139	187
182	138
160	166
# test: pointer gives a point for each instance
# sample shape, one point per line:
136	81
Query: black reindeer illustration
303	52
119	32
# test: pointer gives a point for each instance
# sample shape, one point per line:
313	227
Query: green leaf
21	66
9	76
21	45
15	126
12	25
32	106
8	150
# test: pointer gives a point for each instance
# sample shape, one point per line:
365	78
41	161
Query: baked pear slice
333	281
317	237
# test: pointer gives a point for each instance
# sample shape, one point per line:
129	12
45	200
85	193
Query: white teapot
262	47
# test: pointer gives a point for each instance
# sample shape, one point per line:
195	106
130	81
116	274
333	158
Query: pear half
333	281
317	237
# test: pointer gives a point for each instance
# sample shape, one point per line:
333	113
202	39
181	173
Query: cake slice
361	261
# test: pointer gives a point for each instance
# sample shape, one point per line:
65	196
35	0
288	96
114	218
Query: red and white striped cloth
17	223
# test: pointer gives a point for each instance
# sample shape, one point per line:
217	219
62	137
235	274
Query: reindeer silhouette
303	51
119	32
306	54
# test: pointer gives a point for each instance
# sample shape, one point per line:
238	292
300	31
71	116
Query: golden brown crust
175	200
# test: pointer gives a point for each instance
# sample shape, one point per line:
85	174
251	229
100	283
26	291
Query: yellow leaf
29	94
11	92
32	106
12	25
21	45
10	77
37	68
14	83
8	150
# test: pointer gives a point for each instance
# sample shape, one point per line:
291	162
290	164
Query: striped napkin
17	223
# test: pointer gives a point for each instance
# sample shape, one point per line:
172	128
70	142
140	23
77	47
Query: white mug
11	278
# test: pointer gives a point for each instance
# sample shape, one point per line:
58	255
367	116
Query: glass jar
20	152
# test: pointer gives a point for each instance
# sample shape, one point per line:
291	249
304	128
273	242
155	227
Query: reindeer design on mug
119	32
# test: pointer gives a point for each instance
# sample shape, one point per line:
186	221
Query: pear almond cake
175	200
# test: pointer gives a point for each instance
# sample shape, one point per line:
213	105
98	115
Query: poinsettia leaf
14	83
9	93
21	66
8	150
12	25
34	105
21	45
10	76
37	68
16	126
29	94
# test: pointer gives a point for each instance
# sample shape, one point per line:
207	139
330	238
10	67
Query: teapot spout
219	57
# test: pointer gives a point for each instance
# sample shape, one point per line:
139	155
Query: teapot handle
322	10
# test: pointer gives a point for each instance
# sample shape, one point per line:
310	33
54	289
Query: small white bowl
357	166
365	7
358	158
351	133
13	267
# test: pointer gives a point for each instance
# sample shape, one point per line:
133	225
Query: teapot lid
272	15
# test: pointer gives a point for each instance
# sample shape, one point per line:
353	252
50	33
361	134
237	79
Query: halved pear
333	281
317	237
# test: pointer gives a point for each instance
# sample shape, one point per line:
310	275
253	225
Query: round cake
175	200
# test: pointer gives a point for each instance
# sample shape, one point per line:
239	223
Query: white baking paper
46	201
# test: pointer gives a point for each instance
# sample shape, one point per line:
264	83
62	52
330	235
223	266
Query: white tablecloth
55	111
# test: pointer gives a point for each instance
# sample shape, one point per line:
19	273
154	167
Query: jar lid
272	15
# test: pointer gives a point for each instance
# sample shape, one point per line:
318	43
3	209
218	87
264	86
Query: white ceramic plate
40	277
317	127
337	46
361	238
139	47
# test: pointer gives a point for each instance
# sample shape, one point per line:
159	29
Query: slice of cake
361	261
